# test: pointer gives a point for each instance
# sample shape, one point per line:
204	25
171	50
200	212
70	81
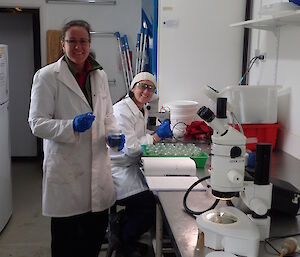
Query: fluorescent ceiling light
100	2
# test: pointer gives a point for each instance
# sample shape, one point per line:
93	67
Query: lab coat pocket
62	169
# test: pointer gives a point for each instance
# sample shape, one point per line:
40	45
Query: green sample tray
176	150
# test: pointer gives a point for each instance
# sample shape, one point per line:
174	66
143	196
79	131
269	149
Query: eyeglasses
145	86
74	42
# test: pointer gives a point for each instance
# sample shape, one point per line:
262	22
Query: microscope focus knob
258	206
235	152
235	177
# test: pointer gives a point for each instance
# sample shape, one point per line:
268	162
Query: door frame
35	12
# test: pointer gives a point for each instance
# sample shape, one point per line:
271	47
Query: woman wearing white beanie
131	189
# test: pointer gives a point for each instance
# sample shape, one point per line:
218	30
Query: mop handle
144	49
140	49
117	34
126	66
137	52
128	57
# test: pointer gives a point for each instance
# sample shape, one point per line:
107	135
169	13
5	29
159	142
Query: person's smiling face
143	94
76	46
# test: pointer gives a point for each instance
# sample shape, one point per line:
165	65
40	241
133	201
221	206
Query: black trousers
139	216
79	235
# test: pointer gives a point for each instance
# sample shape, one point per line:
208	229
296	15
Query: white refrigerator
5	160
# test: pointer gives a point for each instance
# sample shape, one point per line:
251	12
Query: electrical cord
234	119
248	69
187	209
252	61
288	248
180	122
204	140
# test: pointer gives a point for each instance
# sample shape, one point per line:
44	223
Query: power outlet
259	52
265	56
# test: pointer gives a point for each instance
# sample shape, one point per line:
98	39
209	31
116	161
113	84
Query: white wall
196	47
124	17
281	67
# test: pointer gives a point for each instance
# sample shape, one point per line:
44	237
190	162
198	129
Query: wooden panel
53	45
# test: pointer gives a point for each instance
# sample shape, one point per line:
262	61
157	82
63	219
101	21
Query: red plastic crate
263	133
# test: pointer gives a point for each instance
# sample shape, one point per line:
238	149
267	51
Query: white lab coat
127	176
76	169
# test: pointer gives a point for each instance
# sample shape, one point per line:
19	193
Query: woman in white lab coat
71	110
131	188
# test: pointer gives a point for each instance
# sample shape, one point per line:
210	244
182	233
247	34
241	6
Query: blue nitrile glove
82	122
295	1
164	130
116	141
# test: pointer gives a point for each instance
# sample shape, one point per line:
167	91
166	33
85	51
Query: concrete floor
27	233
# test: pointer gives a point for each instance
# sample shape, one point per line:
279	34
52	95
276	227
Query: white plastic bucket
182	113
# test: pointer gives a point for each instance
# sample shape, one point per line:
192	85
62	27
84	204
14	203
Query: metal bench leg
159	232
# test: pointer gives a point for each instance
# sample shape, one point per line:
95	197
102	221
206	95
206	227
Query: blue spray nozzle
122	43
117	34
126	42
144	31
138	39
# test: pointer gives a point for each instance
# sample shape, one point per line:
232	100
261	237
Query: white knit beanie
142	76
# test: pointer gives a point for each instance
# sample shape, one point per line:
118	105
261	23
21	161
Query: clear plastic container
253	104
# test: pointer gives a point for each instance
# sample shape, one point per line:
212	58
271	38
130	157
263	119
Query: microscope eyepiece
221	108
206	114
262	163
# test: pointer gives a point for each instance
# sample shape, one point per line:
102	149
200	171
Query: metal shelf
273	22
102	34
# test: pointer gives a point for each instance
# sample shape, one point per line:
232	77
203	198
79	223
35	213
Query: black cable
249	67
188	210
252	61
180	122
268	241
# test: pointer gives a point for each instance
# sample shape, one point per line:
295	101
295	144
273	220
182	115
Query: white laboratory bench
182	227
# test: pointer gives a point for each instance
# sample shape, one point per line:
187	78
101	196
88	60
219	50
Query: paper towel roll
169	166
